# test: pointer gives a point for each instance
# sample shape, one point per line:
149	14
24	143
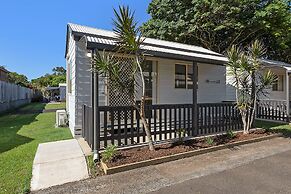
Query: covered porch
276	104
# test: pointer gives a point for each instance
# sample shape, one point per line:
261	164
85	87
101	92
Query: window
180	76
183	76
278	85
69	77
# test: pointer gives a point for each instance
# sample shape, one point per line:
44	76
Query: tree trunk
146	126
142	112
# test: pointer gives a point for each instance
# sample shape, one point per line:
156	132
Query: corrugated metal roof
275	63
158	49
105	37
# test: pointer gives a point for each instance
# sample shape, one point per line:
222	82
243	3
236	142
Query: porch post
194	96
92	104
96	122
287	95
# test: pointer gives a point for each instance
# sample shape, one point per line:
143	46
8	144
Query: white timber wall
71	78
13	96
80	84
208	92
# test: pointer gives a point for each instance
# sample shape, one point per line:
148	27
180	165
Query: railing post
83	121
96	118
194	102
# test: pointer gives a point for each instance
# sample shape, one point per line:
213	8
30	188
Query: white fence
13	96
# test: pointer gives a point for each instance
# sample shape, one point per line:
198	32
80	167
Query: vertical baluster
112	125
132	125
119	127
188	120
150	118
105	128
175	121
160	123
155	122
170	122
165	123
125	126
137	126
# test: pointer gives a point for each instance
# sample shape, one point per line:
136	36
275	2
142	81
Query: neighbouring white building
169	72
280	91
62	88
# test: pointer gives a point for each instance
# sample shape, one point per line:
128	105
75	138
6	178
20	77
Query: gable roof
104	39
3	69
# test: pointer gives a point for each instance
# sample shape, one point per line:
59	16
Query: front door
148	78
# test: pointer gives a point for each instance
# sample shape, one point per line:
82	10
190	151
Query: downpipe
96	157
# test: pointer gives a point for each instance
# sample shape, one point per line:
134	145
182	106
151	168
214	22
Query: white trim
287	92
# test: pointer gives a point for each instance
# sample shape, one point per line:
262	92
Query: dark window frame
186	76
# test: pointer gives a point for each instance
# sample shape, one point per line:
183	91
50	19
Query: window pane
180	76
190	77
279	84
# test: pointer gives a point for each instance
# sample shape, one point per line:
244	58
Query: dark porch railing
122	125
272	110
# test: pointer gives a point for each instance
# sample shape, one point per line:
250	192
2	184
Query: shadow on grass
10	125
283	128
32	108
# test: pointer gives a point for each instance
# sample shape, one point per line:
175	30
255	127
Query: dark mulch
132	155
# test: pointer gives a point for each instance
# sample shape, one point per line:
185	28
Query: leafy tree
216	24
250	79
58	76
59	71
18	79
129	41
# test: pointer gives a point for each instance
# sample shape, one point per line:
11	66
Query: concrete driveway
263	167
56	163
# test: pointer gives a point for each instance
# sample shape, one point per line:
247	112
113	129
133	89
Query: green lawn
20	136
277	127
40	106
61	105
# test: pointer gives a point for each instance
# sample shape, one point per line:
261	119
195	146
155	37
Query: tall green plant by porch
129	40
250	79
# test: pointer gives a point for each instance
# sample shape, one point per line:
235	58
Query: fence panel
13	96
272	110
122	125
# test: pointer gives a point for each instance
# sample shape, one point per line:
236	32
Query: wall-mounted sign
213	81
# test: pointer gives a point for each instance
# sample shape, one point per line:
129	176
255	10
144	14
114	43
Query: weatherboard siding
82	82
71	77
207	92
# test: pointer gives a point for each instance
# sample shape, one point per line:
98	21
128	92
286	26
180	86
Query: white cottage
169	72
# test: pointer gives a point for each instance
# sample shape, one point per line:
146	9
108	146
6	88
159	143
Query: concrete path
56	163
225	171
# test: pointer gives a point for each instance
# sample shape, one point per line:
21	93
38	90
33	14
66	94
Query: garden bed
141	156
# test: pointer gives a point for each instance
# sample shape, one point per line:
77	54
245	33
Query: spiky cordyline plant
250	79
128	44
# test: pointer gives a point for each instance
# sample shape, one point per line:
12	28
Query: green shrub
230	134
109	153
181	134
209	140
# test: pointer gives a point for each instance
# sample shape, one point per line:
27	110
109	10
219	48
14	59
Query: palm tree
250	80
128	44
